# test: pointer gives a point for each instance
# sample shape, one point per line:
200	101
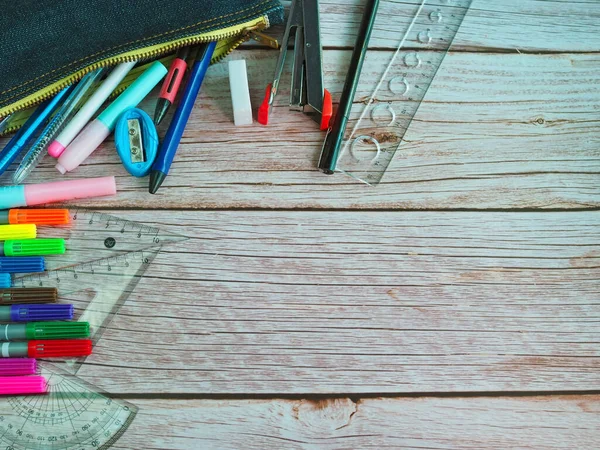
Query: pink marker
23	385
57	191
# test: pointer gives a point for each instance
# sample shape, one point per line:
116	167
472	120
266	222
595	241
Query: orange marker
35	216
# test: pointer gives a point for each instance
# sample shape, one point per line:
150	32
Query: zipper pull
263	39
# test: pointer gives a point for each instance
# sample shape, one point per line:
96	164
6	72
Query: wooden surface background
456	305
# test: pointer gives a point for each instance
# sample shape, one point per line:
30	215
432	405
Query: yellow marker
22	231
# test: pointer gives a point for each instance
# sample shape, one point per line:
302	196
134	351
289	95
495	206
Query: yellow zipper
242	33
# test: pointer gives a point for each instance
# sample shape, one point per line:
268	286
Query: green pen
32	247
44	330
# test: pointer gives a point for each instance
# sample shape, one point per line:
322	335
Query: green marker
44	330
32	247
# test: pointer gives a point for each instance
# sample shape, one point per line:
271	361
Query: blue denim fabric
42	41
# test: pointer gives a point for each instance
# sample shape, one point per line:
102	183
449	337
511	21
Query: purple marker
36	313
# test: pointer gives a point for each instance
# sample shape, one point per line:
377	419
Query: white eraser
240	93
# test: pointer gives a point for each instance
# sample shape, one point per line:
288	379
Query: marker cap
23	385
34	247
68	348
38	216
22	264
10	367
21	231
11	296
57	330
35	313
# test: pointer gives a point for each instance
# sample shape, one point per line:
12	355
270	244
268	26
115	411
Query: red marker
62	348
171	84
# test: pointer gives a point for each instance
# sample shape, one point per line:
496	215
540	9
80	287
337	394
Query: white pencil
88	110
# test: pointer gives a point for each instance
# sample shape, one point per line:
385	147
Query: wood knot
325	416
539	120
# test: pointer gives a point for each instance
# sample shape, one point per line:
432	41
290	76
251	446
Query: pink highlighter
57	191
23	385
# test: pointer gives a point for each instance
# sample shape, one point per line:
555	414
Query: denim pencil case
46	45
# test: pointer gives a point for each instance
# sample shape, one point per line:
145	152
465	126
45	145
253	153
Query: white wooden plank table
456	305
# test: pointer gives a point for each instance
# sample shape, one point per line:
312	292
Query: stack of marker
20	251
32	324
17	377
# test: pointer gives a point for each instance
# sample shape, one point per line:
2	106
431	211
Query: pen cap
38	216
57	330
133	94
21	264
59	191
36	313
10	367
22	385
23	231
68	348
34	247
5	282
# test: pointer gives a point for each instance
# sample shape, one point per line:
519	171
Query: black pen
335	134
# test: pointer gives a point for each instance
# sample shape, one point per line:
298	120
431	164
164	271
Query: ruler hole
365	148
435	16
424	37
399	85
412	60
383	114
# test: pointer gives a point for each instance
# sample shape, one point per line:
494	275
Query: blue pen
28	131
168	148
63	114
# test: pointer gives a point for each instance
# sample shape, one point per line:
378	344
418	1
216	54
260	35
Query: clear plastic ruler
377	125
94	235
106	257
97	289
72	415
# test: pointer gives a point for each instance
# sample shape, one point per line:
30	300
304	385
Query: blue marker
167	151
21	264
28	131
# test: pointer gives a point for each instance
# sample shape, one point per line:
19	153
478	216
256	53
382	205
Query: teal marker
98	130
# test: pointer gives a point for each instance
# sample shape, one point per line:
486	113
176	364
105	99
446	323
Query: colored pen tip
162	106
156	180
